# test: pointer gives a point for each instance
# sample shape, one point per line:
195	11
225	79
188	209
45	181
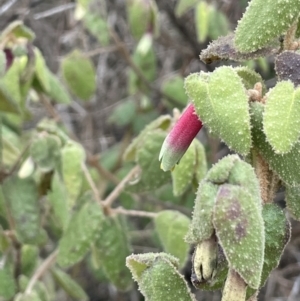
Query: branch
120	187
121	210
126	55
41	271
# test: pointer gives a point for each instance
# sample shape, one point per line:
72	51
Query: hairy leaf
29	259
21	197
286	166
82	231
79	75
263	21
113	248
171	227
281	118
240	229
221	103
70	286
7	283
224	49
158	277
72	156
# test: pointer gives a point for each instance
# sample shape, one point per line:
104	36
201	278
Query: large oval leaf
239	226
264	21
281	119
222	104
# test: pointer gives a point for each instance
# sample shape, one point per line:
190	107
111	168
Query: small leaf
218	23
72	156
286	66
152	176
224	49
41	71
202	12
201	163
7	283
263	21
162	122
201	227
174	88
58	197
22	201
45	151
97	26
79	75
182	6
171	227
57	91
124	113
281	119
160	280
113	248
239	227
82	231
70	286
139	16
17	29
286	166
250	78
277	235
7	102
222	104
292	196
29	259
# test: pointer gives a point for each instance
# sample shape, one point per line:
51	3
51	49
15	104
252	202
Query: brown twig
41	271
126	55
121	210
120	187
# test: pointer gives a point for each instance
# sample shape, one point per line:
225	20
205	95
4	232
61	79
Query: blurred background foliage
86	79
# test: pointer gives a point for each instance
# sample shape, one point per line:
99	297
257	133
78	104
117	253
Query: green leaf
83	229
292	196
58	197
21	197
146	62
70	286
202	13
45	151
41	71
174	88
286	66
18	30
97	26
171	227
263	21
201	227
224	49
182	6
113	248
2	63
57	91
239	227
218	23
162	122
29	259
79	75
286	166
184	172
277	235
222	104
72	156
281	118
201	163
139	14
33	296
152	176
250	78
7	283
7	102
158	277
124	113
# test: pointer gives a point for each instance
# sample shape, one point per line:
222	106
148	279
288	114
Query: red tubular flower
180	138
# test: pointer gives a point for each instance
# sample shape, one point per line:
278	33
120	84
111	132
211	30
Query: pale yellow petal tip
171	169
